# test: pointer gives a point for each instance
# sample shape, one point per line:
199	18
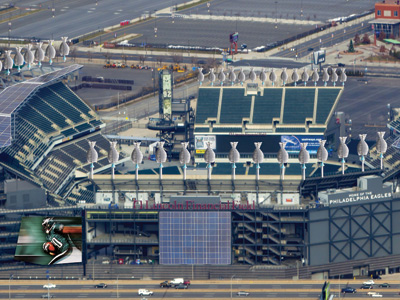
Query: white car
369	282
377	296
371	293
49	286
144	292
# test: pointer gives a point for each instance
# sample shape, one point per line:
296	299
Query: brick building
387	19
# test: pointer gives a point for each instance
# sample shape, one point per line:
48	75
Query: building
387	19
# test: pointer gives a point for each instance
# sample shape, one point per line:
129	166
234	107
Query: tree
357	39
382	49
351	47
142	58
90	55
365	39
382	36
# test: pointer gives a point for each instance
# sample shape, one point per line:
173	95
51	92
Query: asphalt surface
287	9
203	290
327	40
73	18
210	33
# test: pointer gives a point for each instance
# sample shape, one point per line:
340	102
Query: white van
177	281
144	292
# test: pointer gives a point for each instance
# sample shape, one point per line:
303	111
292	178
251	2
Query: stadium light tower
92	157
200	76
362	149
64	48
343	76
39	54
184	157
325	76
343	151
8	61
263	76
209	158
221	76
252	75
161	156
113	157
272	76
334	76
258	157
322	155
304	158
50	51
381	146
28	56
18	58
284	76
234	157
315	76
212	76
304	76
137	158
232	76
242	76
295	77
283	158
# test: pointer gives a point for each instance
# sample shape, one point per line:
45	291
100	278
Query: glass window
396	13
378	12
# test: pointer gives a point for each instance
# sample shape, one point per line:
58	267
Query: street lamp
231	284
276	14
9	286
117	287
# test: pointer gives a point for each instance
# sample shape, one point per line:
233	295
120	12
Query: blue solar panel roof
13	96
195	238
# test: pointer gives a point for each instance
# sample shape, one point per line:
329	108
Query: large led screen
195	238
50	240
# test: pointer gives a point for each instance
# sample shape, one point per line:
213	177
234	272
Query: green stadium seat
299	105
268	106
207	104
326	100
235	106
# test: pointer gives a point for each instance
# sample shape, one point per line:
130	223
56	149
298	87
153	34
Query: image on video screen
50	240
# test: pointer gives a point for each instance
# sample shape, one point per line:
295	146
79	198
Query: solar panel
195	238
5	130
14	95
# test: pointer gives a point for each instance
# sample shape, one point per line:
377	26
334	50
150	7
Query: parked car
144	292
100	286
369	282
366	287
371	293
341	65
384	285
181	286
165	284
49	286
349	290
243	293
46	296
375	276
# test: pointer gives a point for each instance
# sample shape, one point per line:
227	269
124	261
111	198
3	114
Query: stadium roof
272	109
14	96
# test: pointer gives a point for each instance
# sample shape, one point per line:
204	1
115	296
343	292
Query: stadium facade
267	226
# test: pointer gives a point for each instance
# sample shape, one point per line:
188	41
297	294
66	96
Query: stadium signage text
191	205
360	196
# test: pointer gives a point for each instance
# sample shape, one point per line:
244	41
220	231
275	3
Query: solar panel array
13	96
195	238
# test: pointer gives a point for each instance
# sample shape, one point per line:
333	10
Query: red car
186	282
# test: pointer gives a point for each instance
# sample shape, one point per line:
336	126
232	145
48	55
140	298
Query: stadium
200	219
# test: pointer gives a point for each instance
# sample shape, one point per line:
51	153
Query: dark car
366	287
310	49
100	286
349	290
181	286
384	285
341	65
165	284
376	277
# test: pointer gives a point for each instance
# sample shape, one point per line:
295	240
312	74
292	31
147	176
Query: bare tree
124	58
177	58
90	55
142	58
72	53
107	56
159	60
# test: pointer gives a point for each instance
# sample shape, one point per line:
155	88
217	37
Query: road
327	40
201	290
